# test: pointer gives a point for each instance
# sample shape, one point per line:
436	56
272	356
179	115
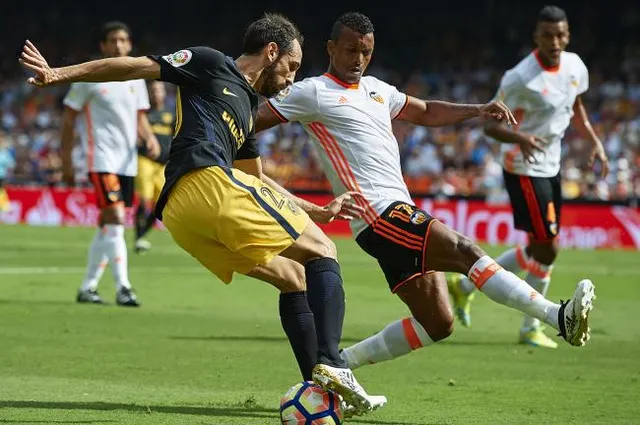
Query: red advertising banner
582	225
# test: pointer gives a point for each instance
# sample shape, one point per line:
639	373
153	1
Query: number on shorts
268	192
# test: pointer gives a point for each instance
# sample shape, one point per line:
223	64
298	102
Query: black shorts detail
536	203
397	239
112	189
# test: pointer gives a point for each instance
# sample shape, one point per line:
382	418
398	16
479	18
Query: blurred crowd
445	161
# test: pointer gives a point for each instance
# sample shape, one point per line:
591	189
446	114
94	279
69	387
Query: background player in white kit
113	117
348	117
544	92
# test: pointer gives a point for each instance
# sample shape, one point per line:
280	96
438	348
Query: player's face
116	44
552	38
350	55
158	92
282	72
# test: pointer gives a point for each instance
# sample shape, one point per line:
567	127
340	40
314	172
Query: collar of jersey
556	68
342	83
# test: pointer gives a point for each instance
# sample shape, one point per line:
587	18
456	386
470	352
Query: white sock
96	262
116	249
514	260
397	339
539	278
508	289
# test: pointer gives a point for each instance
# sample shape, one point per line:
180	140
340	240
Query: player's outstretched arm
343	207
582	124
111	69
436	113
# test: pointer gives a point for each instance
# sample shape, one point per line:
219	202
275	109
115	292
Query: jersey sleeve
78	96
298	102
583	81
397	101
249	149
142	96
189	66
511	91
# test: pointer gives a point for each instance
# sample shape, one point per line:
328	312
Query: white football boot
573	317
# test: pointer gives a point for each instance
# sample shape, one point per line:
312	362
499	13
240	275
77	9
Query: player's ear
330	47
272	51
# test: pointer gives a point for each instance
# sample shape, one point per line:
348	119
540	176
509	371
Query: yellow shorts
150	179
231	221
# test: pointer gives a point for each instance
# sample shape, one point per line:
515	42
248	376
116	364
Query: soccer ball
308	404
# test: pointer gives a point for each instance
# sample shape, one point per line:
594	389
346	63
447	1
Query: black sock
297	322
144	220
326	299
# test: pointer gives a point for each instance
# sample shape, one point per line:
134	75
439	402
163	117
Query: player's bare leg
295	315
432	321
325	295
448	250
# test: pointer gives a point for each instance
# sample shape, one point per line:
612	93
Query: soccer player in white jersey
113	115
544	92
348	117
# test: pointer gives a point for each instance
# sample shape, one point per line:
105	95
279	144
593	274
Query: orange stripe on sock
479	278
520	258
410	334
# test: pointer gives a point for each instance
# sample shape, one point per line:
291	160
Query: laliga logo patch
283	93
418	217
375	96
179	58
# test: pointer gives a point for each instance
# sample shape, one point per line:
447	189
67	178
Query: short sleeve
189	66
249	149
142	95
583	81
298	102
511	91
78	96
397	102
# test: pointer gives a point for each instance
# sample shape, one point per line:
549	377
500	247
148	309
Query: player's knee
544	253
293	280
438	326
327	248
113	214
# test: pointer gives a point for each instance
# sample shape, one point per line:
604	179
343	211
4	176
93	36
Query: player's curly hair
353	20
271	27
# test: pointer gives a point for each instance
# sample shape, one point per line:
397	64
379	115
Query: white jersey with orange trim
350	125
109	126
542	99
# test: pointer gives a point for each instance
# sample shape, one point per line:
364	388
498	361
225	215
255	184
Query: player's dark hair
353	20
271	27
111	26
552	14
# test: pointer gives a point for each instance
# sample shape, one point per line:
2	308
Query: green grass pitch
200	352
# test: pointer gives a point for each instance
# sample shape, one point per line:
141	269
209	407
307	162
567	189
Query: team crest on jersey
418	217
375	96
574	81
179	58
167	117
283	93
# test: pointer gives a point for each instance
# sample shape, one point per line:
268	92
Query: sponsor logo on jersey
228	92
574	80
283	93
375	96
418	217
179	58
167	117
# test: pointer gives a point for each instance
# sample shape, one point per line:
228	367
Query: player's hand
343	207
68	174
597	152
497	111
33	60
529	145
153	147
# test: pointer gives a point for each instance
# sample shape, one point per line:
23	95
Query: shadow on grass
252	338
251	411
